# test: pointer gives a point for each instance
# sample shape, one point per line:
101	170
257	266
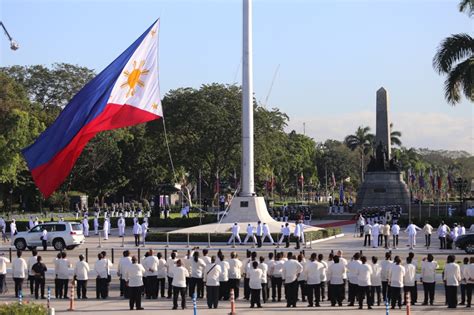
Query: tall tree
455	58
361	141
395	136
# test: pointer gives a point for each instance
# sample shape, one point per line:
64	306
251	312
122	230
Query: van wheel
58	244
20	244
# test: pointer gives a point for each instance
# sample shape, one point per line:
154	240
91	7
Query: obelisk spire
383	121
247	104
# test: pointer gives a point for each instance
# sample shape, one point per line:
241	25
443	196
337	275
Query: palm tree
362	140
455	58
395	136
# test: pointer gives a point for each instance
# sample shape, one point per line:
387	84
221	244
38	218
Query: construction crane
13	44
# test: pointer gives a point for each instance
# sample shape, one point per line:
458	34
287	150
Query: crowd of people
291	277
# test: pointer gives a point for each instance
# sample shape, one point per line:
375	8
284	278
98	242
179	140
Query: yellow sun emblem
133	78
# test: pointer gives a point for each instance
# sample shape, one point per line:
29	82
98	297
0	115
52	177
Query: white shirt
206	259
428	229
297	231
161	268
291	269
364	275
137	229
31	261
19	268
314	272
395	229
367	229
376	277
13	227
44	234
385	269
442	230
324	277
3	265
375	229
150	264
428	271
63	268
224	276
452	274
179	276
212	273
235	269
396	275
266	230
134	275
336	273
249	230
255	278
353	270
123	264
102	268
81	270
121	222
264	268
197	268
468	273
170	264
278	268
286	231
235	229
410	275
259	230
411	229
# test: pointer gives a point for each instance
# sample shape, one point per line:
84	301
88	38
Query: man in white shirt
150	263
19	272
375	235
264	267
411	231
367	234
121	226
386	265
364	282
224	291
31	274
469	276
395	232
428	278
352	272
63	275
106	228
428	230
180	273
123	264
170	264
235	273
395	281
409	284
291	270
266	233
134	277
13	229
451	278
235	234
102	269
259	234
376	280
81	275
285	235
297	234
85	226
137	231
324	277
31	223
212	273
336	275
96	224
314	272
250	234
144	230
161	275
3	271
443	231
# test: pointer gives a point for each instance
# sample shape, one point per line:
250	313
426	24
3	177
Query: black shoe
350	304
370	307
174	308
424	303
140	308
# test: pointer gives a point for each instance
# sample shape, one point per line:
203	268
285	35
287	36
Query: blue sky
333	55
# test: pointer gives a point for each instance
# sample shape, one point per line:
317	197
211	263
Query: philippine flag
124	94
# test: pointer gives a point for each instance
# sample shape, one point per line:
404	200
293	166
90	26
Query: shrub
224	237
22	309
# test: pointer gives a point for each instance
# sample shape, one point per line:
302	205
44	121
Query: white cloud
419	130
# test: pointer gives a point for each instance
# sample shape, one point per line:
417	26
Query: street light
461	185
13	44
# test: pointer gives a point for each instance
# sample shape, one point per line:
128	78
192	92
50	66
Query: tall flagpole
247	104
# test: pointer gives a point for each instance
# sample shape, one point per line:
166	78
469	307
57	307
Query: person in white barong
85	225
106	228
31	224
411	231
375	235
96	225
144	229
250	234
266	233
235	234
121	226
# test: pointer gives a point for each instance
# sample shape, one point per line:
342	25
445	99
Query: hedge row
435	221
153	222
22	309
224	237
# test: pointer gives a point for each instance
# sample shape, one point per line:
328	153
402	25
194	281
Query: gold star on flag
155	106
153	32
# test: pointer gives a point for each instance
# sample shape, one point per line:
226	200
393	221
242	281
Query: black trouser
442	242
463	294
196	285
161	287
2	283
469	288
411	290
224	290
352	292
151	287
395	240
297	242
276	287
135	297
396	296
367	240
102	288
452	296
45	244
56	287
123	288
31	280
385	291
179	291
313	291
212	296
302	286
429	290
137	239
373	291
63	286
18	285
81	289
255	297
323	290
385	239
39	284
259	241
361	230
246	288
234	284
265	292
337	291
286	239
427	240
291	291
364	292
170	287
380	240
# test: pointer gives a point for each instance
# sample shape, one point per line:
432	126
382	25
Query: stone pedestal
383	189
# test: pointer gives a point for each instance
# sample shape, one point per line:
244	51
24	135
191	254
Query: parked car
61	235
466	242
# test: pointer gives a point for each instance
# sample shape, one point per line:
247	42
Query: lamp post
461	185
